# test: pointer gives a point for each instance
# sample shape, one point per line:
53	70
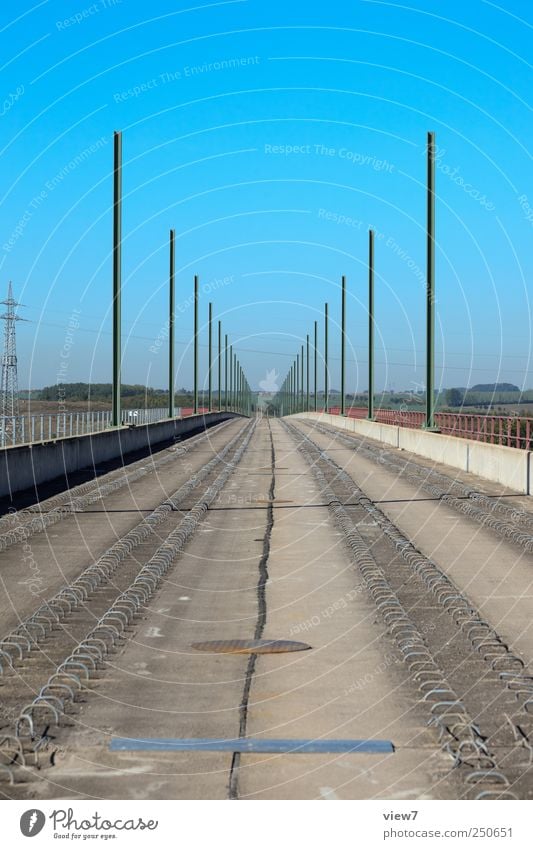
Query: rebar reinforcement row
459	734
456	494
483	637
19	526
19	642
75	672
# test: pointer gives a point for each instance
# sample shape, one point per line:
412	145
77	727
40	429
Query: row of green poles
242	394
292	391
297	384
237	392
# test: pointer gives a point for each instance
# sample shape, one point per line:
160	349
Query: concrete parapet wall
509	467
450	450
25	466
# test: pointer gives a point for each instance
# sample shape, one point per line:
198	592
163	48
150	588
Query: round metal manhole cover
250	646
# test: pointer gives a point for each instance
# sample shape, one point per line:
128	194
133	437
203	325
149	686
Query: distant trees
494	387
95	394
454	397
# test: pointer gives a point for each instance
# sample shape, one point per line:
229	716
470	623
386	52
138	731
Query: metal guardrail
42	427
511	431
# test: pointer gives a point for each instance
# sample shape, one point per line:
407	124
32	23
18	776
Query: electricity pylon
9	393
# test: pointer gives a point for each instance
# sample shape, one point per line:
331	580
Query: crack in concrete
233	789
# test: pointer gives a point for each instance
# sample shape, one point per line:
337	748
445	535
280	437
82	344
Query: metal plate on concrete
250	646
249	744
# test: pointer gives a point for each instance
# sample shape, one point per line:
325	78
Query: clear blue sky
270	136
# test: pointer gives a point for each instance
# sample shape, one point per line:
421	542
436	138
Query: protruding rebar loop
82	658
48	687
8	742
24	718
494	794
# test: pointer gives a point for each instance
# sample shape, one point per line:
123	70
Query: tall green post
291	389
307	377
171	322
316	365
231	377
343	345
326	374
226	371
297	383
219	366
195	409
302	379
117	278
210	358
370	324
430	286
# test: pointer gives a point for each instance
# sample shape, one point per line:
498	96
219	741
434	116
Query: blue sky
271	137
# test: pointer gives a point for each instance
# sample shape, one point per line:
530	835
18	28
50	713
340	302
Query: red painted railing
189	411
513	431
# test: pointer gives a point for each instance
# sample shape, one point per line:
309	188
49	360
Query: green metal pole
210	357
297	383
343	345
292	389
370	324
291	386
171	321
231	377
307	376
326	375
430	285
226	372
316	364
195	410
302	379
117	278
219	365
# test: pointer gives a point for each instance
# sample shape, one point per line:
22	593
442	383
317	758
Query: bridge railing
41	427
510	430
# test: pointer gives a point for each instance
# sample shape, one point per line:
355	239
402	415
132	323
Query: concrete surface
348	685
